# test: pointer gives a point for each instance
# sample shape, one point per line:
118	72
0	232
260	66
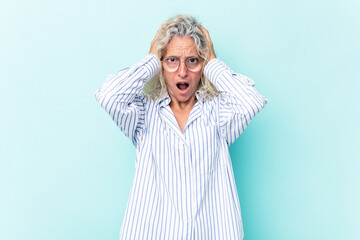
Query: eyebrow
179	57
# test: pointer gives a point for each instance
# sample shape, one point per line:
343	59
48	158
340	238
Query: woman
181	107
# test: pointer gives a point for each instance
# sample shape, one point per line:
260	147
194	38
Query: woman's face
181	84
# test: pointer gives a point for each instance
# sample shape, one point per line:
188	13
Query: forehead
181	46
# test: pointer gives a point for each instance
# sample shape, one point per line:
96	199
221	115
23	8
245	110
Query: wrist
212	57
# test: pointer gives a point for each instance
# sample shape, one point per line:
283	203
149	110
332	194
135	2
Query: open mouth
182	86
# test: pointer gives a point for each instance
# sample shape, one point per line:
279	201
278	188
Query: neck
188	105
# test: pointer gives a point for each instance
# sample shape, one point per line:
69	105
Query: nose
182	69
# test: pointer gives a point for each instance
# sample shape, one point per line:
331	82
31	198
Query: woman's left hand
210	43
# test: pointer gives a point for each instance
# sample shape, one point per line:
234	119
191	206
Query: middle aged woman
181	107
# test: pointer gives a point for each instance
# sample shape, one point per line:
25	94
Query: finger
157	33
210	43
153	42
205	32
156	36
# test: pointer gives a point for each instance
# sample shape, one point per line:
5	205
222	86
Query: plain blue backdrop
66	169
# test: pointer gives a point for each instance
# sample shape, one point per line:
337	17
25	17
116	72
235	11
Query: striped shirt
183	186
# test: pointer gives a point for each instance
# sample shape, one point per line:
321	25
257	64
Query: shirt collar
165	100
198	96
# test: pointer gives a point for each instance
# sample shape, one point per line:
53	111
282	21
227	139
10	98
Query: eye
171	60
193	60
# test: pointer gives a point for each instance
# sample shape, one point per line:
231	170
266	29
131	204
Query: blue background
66	169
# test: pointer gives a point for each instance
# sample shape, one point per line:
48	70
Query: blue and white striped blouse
184	186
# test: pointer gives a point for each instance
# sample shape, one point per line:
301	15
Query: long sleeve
239	101
121	96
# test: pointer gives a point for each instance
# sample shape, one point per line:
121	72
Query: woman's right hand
153	43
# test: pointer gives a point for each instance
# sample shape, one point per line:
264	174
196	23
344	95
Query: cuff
214	68
151	63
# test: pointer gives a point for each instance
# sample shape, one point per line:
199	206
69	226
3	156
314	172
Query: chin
186	98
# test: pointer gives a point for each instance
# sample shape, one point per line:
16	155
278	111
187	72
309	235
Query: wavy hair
182	26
